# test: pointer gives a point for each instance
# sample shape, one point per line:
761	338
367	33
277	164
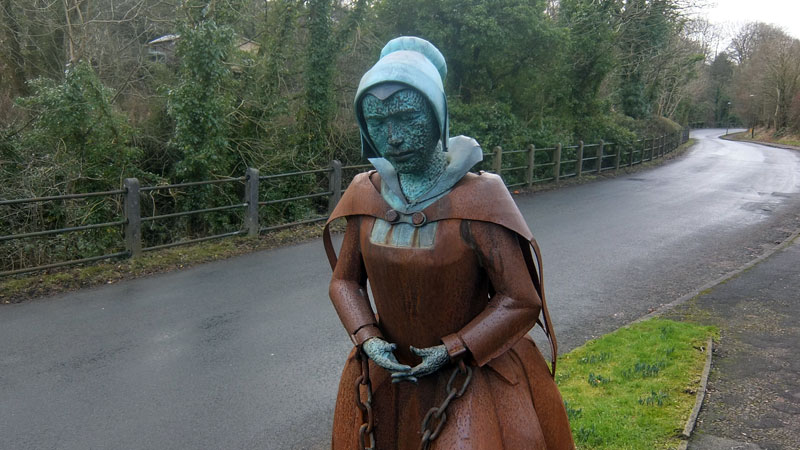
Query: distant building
162	49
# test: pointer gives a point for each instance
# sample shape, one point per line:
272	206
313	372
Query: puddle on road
763	207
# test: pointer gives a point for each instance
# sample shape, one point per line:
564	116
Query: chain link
367	429
436	417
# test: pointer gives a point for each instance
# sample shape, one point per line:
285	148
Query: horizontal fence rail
59	197
522	167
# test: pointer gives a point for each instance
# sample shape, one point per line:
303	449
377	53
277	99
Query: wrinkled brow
398	104
372	106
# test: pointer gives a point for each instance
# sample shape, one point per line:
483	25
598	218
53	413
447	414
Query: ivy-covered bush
76	127
76	142
200	103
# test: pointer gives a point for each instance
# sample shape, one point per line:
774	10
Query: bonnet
412	62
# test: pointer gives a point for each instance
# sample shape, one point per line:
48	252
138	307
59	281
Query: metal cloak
474	286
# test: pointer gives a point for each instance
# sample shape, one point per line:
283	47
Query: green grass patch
634	388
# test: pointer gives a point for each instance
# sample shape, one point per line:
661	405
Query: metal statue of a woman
446	362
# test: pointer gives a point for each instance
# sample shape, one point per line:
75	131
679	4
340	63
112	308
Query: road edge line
714	283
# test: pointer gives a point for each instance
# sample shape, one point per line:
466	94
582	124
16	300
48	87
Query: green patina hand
433	359
381	352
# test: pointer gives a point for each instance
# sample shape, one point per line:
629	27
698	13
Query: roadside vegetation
634	388
767	135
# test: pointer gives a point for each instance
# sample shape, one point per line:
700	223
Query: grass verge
634	388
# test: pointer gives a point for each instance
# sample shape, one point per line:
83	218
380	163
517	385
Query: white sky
733	13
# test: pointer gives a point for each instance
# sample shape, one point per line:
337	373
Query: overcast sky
733	13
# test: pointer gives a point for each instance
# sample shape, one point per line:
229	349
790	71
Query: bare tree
768	76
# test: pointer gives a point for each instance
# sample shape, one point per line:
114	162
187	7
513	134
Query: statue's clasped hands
382	353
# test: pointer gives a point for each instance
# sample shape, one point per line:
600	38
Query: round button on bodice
392	216
418	219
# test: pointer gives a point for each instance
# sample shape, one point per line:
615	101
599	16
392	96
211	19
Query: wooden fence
517	167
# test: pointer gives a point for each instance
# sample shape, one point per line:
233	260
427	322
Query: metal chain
367	428
434	420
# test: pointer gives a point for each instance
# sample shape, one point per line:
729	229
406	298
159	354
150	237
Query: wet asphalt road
246	353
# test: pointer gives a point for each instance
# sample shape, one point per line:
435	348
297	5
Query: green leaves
201	101
76	125
494	49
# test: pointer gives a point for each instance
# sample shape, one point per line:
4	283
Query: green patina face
403	129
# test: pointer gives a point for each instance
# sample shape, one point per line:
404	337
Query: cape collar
463	153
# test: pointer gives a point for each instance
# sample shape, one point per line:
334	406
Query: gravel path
753	400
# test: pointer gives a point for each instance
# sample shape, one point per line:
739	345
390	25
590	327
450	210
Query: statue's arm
348	288
515	306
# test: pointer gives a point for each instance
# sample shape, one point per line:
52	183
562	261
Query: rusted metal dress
467	285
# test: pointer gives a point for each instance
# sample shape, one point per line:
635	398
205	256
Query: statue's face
403	128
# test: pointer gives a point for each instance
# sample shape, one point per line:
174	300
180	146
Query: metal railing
538	165
562	162
62	230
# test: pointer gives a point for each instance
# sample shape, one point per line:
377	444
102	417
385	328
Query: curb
764	143
714	283
692	420
690	423
698	403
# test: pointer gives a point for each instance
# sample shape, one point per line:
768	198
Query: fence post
656	146
645	149
557	163
251	198
662	143
580	158
133	218
335	185
655	149
531	163
667	142
498	160
633	150
617	157
600	156
670	140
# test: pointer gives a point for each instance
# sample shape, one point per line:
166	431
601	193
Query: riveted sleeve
513	309
348	288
